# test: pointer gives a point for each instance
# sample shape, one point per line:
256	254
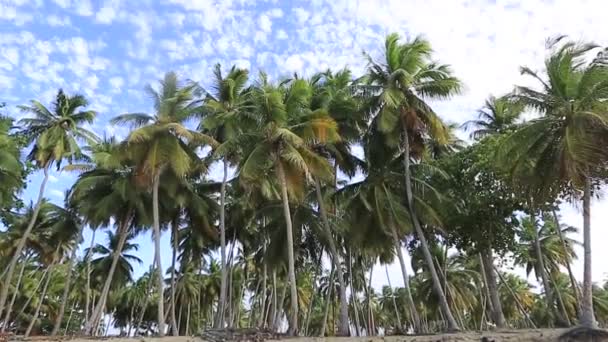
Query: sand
499	336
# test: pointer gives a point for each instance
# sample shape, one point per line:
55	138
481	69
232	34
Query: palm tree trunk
159	274
573	283
39	306
140	319
188	320
88	285
293	324
406	282
67	324
219	319
264	281
445	308
66	287
343	326
488	269
274	303
174	232
9	310
327	302
131	314
277	314
587	318
514	296
393	295
560	301
353	294
370	290
540	265
97	312
21	244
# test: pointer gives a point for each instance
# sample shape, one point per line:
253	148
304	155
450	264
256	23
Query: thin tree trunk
488	267
68	283
560	301
264	281
587	318
369	303
484	279
343	326
97	312
174	232
388	278
327	303
540	265
9	310
188	321
451	322
293	324
230	289
67	324
277	318
219	320
131	314
21	244
140	319
159	275
317	273
573	283
353	293
39	306
406	282
517	302
88	285
273	311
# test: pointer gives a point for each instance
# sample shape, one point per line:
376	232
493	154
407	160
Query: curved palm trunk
159	274
88	285
293	316
219	319
28	331
91	325
66	287
140	319
587	318
327	303
13	263
443	302
406	282
573	283
517	302
261	319
353	294
490	278
343	328
9	309
174	232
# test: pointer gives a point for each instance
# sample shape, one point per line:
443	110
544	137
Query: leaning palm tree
224	117
398	90
54	132
162	142
564	148
496	116
275	147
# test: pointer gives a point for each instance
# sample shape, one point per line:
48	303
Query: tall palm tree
104	257
279	144
399	87
162	143
54	133
496	116
11	177
563	147
225	114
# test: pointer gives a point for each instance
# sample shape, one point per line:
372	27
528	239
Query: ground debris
239	335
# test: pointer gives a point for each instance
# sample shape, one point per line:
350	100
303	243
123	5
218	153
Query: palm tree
11	177
497	116
54	133
399	87
224	118
104	257
563	147
281	112
163	143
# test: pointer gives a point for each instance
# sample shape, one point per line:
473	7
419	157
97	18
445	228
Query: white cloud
56	193
54	20
105	15
116	83
53	179
294	63
63	3
11	56
302	15
281	34
276	13
84	8
265	23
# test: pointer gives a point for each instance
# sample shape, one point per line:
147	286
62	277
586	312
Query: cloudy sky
109	50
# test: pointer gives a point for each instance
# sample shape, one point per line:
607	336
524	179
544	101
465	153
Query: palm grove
290	239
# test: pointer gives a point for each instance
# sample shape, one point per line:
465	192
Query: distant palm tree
54	133
104	256
496	116
10	164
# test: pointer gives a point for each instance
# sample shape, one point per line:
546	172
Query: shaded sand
498	336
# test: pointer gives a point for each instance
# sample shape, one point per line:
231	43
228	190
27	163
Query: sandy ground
512	336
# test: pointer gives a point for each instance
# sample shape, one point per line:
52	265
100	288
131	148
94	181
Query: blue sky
110	49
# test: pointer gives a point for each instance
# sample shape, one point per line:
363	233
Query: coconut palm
398	89
275	147
54	133
563	147
496	116
225	114
11	177
162	143
103	257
